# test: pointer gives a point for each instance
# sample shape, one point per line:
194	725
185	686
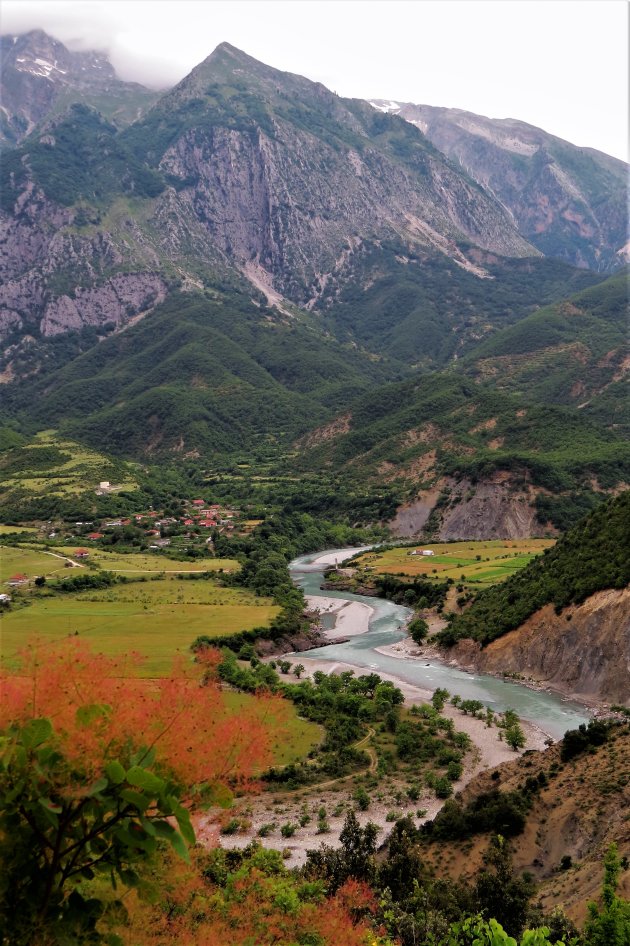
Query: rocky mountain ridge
40	77
567	201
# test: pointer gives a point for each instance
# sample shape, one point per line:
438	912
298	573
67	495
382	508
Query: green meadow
289	743
156	619
475	563
140	563
29	562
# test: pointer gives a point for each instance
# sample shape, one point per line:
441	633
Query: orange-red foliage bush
197	737
256	907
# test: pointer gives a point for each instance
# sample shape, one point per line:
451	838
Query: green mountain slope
542	402
569	353
427	310
593	556
211	375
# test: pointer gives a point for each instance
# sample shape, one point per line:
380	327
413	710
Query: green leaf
179	846
164	830
129	877
146	780
50	806
185	826
97	787
115	772
141	802
148	826
35	732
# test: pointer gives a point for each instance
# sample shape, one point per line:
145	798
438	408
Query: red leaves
100	710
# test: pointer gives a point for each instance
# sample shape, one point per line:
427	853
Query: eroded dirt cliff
584	651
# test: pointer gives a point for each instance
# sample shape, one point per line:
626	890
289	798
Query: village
191	534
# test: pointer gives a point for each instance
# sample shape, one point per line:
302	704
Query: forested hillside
594	555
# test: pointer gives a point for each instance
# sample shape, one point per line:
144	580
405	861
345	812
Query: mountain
563	620
526	430
212	374
40	77
241	173
565	200
256	257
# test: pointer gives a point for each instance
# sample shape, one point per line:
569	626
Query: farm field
140	563
473	563
156	619
29	562
11	530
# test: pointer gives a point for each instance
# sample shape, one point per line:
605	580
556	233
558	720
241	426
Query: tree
354	859
609	925
515	737
439	698
418	630
499	893
93	765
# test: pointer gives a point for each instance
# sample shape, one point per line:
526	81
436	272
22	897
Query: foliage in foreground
93	768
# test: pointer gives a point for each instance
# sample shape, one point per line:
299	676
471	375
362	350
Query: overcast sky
558	64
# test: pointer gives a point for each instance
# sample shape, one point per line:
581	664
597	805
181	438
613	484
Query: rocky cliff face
289	177
567	201
241	173
584	651
55	278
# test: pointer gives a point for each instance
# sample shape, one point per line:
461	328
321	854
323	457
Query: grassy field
290	744
7	530
141	563
474	563
30	562
157	619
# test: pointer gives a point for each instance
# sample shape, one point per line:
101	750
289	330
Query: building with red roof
95	535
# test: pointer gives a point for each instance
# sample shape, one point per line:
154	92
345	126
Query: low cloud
82	26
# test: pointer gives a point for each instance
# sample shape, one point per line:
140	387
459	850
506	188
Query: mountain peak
227	61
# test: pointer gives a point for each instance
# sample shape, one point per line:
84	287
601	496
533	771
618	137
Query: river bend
551	713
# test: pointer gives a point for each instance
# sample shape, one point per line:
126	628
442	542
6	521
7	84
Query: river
551	713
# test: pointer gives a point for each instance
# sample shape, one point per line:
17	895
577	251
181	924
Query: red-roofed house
207	523
199	502
95	535
81	553
152	532
189	522
18	579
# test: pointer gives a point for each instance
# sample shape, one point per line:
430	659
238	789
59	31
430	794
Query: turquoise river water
553	714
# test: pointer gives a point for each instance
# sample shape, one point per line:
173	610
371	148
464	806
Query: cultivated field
8	530
156	619
70	469
29	562
473	563
140	563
